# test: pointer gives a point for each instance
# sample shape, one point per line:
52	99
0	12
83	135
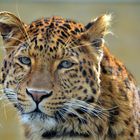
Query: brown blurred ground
125	43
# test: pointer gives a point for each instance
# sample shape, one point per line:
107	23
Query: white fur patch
107	19
39	124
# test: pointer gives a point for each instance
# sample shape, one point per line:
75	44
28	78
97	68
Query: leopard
64	81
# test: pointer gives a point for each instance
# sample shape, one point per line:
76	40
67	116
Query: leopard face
51	72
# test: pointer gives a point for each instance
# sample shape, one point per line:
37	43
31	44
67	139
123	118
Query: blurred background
124	44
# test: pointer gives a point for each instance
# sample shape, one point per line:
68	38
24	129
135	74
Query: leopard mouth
36	114
52	126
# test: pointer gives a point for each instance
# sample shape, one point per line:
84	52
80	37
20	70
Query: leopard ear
97	29
12	29
94	33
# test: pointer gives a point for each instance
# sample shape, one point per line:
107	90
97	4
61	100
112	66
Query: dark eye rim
21	60
60	66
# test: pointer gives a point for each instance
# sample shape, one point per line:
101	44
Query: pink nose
38	95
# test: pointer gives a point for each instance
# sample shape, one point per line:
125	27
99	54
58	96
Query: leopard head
51	72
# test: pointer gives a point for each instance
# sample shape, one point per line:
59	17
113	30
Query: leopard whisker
92	110
86	44
27	35
68	43
60	116
112	109
69	109
16	40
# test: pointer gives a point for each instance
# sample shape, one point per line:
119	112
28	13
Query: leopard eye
65	64
25	60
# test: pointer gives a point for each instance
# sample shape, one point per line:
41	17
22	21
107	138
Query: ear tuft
97	28
107	19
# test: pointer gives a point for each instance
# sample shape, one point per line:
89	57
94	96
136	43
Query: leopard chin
38	119
44	127
39	123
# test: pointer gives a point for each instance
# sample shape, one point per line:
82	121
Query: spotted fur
91	97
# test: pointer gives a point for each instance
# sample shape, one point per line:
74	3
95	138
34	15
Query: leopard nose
38	95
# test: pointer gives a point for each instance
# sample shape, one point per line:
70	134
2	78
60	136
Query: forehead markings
51	33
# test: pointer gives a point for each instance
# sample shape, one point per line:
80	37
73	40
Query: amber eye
25	60
65	64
